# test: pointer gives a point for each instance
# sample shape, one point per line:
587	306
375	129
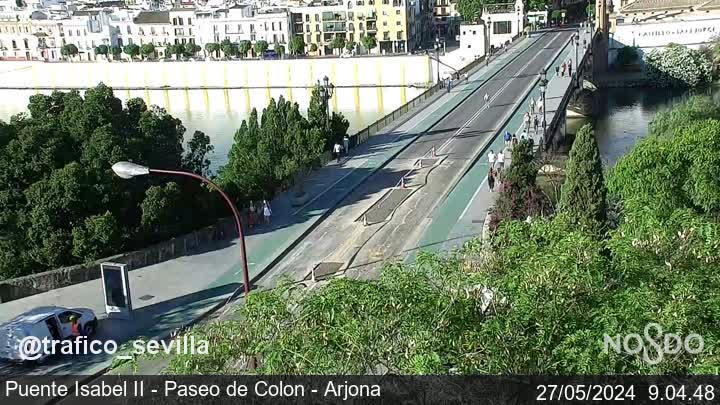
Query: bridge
416	182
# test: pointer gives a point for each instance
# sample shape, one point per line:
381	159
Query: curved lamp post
128	170
543	88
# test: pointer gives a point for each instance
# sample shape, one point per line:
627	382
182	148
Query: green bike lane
450	226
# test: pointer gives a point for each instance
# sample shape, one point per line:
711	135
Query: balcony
334	27
371	26
330	16
372	16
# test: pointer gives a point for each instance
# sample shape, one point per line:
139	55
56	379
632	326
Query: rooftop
647	5
153	17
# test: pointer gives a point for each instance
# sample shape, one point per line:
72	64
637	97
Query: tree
69	50
161	211
147	50
368	42
338	129
338	43
179	51
470	10
556	16
102	50
212	49
131	50
317	110
98	237
196	157
313	48
678	66
191	49
537	5
280	50
296	46
584	195
350	46
260	47
115	51
228	48
628	55
244	48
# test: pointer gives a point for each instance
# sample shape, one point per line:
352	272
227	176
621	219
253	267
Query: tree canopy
61	204
678	66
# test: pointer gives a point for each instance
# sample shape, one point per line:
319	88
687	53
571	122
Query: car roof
36	314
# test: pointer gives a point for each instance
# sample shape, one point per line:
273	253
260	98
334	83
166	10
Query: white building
242	23
651	24
499	24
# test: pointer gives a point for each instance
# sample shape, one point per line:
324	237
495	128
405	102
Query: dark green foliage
280	50
296	46
102	50
60	203
212	48
270	151
628	55
196	157
368	41
69	50
584	196
192	49
228	48
338	42
115	51
131	50
244	47
470	10
147	50
260	47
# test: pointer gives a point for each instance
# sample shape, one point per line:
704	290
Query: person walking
491	179
514	141
557	70
346	145
491	159
252	215
336	151
486	98
449	84
532	105
508	137
500	160
267	212
564	66
536	122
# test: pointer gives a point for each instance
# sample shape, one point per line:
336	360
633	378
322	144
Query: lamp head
128	170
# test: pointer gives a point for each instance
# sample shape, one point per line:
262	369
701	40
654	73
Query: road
343	240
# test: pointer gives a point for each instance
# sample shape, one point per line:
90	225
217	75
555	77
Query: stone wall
21	287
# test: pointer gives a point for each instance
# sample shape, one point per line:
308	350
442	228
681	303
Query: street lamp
326	92
543	88
437	57
517	10
576	43
128	170
489	44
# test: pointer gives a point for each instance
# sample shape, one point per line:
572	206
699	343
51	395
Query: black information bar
389	389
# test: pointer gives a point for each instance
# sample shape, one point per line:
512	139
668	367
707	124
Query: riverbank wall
411	70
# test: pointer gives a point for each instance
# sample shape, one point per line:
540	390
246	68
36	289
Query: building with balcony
394	24
447	20
29	36
242	23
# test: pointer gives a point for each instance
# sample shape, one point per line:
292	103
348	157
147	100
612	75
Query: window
352	37
384	23
502	27
275	38
307	27
307	17
399	35
317	27
175	21
279	25
317	17
282	38
397	22
397	12
78	32
70	32
252	28
265	25
189	21
152	30
317	38
386	2
273	25
129	30
474	32
14	44
386	35
190	31
27	46
360	26
140	31
351	15
360	3
384	12
308	38
351	27
180	21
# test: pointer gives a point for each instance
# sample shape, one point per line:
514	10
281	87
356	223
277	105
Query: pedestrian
570	68
536	122
450	82
252	215
526	119
487	98
346	144
501	160
564	66
465	76
532	105
514	141
491	179
557	70
336	151
523	134
267	212
507	138
491	159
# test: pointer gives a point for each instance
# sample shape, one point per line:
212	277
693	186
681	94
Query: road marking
326	190
486	105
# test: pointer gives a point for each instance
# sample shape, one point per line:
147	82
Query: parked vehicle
43	322
270	55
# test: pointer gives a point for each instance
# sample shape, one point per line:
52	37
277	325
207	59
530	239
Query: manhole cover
325	269
146	297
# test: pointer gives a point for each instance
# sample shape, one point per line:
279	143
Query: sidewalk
462	214
169	295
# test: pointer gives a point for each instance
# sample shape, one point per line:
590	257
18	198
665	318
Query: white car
43	322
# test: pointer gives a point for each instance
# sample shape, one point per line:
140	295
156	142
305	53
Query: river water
622	116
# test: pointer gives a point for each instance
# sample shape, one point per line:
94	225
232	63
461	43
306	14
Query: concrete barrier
25	286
